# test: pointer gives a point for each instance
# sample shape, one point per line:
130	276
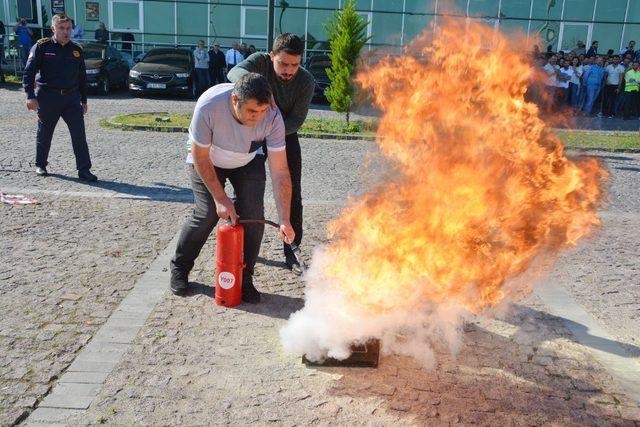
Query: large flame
480	187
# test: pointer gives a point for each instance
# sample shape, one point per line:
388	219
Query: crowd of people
587	83
213	65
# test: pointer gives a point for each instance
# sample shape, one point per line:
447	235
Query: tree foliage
347	33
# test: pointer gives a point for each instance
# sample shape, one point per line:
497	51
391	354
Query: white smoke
329	324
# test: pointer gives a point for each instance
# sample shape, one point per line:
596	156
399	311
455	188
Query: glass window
515	9
386	28
543	9
387	5
225	21
125	15
291	20
192	22
483	8
578	10
316	36
159	23
608	36
254	22
611	10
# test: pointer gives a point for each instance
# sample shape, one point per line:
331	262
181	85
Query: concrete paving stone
66	401
51	415
92	366
77	389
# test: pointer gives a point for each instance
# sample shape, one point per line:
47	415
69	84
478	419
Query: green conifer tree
347	33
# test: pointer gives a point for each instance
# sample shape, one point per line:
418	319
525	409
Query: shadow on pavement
274	305
495	379
598	343
271	263
159	192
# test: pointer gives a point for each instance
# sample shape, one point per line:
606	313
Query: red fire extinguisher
229	263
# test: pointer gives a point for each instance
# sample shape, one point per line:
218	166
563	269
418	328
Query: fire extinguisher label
226	280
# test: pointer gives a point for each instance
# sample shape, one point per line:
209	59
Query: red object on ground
229	265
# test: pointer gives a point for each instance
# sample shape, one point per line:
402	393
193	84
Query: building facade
392	23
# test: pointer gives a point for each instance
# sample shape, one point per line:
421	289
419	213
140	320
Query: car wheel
105	88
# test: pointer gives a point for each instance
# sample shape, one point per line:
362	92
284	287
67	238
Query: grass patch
572	139
340	127
12	79
611	141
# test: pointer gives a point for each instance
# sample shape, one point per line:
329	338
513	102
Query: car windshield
168	58
91	52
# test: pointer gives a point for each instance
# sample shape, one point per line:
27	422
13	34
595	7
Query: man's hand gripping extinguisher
229	260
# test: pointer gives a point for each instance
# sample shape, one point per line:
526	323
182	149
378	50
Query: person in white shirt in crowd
201	56
233	56
629	49
575	85
614	72
551	70
562	88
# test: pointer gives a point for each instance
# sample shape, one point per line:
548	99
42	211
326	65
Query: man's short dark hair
253	86
289	44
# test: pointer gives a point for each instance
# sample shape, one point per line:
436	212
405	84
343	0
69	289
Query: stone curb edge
369	138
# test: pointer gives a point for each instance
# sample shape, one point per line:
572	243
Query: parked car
164	71
106	68
317	66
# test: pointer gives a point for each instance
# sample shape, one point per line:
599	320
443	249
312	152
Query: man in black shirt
217	65
62	92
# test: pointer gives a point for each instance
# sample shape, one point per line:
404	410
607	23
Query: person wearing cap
60	90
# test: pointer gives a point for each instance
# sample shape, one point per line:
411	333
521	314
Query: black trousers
294	159
217	76
52	106
248	182
609	108
631	105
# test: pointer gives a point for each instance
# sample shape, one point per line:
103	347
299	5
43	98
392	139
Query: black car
317	66
106	68
164	71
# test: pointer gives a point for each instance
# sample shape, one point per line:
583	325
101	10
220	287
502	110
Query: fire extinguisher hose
295	248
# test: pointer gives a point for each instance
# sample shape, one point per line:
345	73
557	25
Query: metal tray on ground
362	356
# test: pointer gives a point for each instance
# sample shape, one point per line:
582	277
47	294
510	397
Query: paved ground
68	262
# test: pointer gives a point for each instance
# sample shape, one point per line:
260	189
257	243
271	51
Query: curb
368	138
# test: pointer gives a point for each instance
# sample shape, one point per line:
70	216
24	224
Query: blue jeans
24	51
575	96
592	94
202	79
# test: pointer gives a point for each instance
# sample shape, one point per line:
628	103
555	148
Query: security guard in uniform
61	92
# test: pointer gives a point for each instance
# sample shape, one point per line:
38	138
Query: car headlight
182	75
93	71
134	73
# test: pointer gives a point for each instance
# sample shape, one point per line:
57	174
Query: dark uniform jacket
217	60
57	67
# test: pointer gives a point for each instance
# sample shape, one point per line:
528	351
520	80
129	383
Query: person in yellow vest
632	92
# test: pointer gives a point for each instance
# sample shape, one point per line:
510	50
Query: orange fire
480	187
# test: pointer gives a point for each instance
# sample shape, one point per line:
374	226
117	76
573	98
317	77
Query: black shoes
86	175
292	264
179	282
249	292
41	171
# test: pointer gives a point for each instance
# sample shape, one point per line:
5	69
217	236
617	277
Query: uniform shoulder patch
43	41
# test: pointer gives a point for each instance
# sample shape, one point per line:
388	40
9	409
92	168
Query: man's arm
298	113
204	168
255	63
281	182
28	79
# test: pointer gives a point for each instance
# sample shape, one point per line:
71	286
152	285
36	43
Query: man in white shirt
230	127
614	72
233	56
202	67
562	87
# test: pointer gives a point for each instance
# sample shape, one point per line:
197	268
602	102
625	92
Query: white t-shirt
614	74
575	77
567	73
233	145
551	72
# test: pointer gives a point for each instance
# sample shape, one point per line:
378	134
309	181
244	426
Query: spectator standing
551	83
61	92
102	34
579	49
24	39
127	38
614	72
593	50
293	88
202	67
632	92
575	85
233	56
629	50
562	91
217	65
244	50
76	33
593	78
252	49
